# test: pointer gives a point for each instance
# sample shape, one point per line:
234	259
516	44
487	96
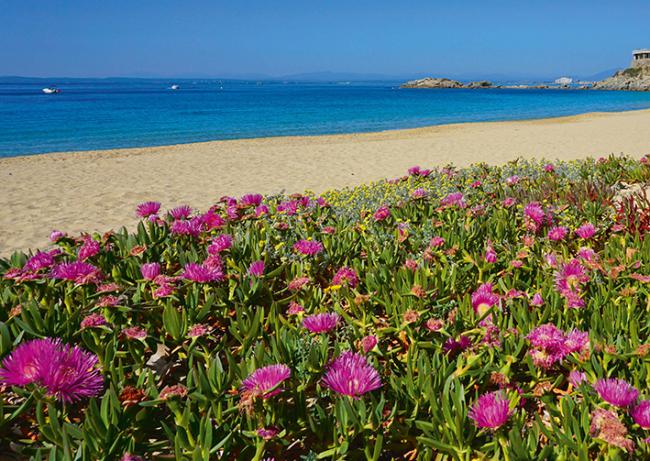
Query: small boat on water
174	87
50	90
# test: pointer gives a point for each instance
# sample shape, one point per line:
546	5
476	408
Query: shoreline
406	131
98	190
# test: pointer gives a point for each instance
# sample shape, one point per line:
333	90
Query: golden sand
98	190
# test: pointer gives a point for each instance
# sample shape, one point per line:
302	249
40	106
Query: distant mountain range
329	76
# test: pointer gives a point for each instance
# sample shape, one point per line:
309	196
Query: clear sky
278	37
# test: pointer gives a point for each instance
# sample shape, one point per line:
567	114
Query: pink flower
201	273
537	300
437	242
557	233
321	323
491	410
211	220
297	283
308	247
134	332
256	269
368	343
641	414
198	330
411	265
605	425
508	202
175	390
163	291
180	212
251	200
351	374
512	180
78	272
346	276
264	382
586	231
68	373
56	235
617	392
534	216
220	243
41	260
453	199
419	193
295	308
261	210
381	214
267	433
146	209
89	249
150	271
549	168
93	321
490	254
483	299
576	378
550	344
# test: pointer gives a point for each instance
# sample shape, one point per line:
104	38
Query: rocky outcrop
632	79
430	82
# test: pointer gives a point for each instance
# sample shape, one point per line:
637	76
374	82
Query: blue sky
278	37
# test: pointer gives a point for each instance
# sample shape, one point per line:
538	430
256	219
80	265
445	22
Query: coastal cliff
631	79
430	82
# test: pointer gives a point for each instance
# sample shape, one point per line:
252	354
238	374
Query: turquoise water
101	114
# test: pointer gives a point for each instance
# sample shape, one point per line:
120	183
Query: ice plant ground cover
488	312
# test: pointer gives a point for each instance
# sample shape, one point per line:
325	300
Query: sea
90	114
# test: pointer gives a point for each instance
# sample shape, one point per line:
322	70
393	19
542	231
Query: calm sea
101	114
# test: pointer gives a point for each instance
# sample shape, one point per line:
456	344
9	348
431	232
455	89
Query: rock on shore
430	82
632	79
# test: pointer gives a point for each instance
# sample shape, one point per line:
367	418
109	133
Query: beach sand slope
98	190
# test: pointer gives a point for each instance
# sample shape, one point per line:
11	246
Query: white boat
49	90
174	87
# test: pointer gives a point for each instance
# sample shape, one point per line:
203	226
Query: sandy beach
98	190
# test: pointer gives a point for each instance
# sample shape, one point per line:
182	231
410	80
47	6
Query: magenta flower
181	212
56	235
220	243
89	249
641	414
251	200
264	382
557	233
534	216
491	410
201	273
351	374
308	247
93	321
419	193
66	372
508	202
146	209
150	271
483	299
436	242
78	272
537	300
40	260
381	214
453	347
512	180
490	254
549	168
550	344
346	276
586	231
267	433
129	457
576	378
23	366
453	199
256	269
71	374
617	392
295	308
368	343
321	323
